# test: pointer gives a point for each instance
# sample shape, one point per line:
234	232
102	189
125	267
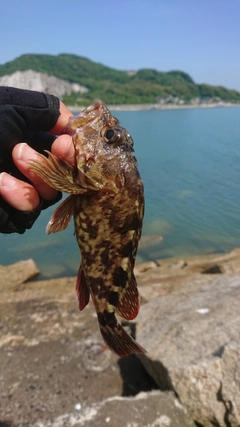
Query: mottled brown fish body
107	229
108	206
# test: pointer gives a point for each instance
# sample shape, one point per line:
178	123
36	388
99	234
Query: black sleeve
22	111
15	221
24	116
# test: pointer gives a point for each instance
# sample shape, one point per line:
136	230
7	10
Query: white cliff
42	82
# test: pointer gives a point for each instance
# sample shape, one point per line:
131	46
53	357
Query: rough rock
149	240
192	336
143	267
205	264
169	275
153	409
11	276
33	80
52	355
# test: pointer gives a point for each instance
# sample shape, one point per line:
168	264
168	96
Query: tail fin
116	338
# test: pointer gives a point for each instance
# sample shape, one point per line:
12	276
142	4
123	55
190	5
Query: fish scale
107	203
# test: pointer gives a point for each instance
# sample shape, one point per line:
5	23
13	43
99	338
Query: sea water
189	160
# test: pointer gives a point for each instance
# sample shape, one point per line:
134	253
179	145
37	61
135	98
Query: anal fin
82	290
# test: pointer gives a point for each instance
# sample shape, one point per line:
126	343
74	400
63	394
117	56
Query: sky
199	37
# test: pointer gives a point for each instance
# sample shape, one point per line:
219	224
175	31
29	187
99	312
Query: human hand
25	196
22	193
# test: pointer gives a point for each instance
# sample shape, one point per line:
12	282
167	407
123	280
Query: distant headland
79	81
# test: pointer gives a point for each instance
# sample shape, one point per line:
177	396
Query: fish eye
109	134
113	136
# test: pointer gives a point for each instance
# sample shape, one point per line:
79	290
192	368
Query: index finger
62	120
22	154
63	147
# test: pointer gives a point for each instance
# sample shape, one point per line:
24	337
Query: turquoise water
189	160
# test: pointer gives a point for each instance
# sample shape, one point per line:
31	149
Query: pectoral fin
62	176
61	217
57	173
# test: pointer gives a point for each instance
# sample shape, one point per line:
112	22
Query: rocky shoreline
159	106
55	370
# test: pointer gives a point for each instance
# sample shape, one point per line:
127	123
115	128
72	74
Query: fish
107	203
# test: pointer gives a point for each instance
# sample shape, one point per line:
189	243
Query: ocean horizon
189	160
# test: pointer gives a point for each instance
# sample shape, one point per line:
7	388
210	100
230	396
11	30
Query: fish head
103	148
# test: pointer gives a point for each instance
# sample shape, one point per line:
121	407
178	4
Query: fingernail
7	181
69	152
20	150
23	152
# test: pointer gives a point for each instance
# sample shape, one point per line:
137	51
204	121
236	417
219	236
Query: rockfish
107	204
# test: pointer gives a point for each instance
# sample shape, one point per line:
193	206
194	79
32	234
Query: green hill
119	87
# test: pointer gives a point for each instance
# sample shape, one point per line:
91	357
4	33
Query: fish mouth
88	115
